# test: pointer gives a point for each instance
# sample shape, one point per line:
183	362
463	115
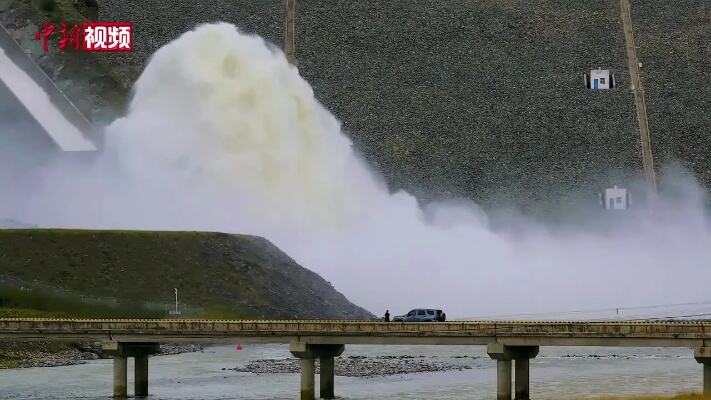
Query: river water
557	373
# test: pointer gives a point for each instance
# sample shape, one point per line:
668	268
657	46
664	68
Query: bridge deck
541	333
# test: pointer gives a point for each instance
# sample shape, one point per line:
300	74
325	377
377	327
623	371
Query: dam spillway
24	85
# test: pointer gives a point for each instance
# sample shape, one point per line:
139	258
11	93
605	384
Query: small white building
615	199
600	79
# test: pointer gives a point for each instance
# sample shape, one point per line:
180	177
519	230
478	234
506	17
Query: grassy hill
135	272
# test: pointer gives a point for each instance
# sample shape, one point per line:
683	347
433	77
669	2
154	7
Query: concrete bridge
510	343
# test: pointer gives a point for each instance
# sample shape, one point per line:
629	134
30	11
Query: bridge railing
696	330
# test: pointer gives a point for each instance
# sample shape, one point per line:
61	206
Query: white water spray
223	134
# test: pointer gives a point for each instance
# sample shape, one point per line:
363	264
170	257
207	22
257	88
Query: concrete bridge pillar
703	356
522	391
503	379
308	391
307	353
120	377
139	351
328	375
141	375
503	356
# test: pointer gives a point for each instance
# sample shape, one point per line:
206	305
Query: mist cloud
222	134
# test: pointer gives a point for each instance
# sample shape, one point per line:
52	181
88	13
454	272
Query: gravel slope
674	40
158	22
481	99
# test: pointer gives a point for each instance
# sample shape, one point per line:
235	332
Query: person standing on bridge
387	316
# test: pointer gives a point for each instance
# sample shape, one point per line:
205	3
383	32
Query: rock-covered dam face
481	99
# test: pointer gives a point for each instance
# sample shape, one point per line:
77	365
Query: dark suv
422	315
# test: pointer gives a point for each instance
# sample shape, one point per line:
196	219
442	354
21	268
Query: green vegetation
30	313
86	273
7	363
48	5
56	10
55	304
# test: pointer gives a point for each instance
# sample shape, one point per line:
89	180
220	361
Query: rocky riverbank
362	366
56	354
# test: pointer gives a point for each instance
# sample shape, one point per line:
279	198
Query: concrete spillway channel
23	80
638	90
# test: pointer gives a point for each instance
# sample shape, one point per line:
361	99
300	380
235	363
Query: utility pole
176	311
289	40
636	83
